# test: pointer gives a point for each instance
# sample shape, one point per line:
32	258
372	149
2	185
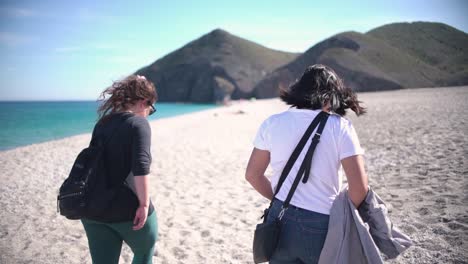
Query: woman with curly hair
124	131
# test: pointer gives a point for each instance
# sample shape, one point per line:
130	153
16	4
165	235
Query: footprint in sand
462	218
185	233
205	233
225	224
440	230
423	211
455	241
441	203
77	236
169	221
397	204
457	226
179	253
445	220
3	233
428	192
26	246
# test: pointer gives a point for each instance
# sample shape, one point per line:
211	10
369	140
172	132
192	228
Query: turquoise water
24	123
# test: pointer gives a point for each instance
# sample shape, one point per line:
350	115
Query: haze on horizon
72	50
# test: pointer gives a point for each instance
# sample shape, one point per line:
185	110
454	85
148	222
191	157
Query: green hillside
394	56
436	44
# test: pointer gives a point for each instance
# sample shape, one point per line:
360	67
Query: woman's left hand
140	217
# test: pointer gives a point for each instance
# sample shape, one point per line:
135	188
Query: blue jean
303	234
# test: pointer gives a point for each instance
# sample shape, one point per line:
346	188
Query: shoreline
231	103
90	130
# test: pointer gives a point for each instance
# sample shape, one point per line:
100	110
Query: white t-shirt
280	134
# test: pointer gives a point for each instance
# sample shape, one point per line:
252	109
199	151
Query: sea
25	123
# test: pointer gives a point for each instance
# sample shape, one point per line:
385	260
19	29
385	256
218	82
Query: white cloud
104	46
17	12
9	69
86	48
13	39
68	49
88	15
128	59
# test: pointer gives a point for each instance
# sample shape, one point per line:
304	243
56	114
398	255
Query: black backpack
76	191
86	194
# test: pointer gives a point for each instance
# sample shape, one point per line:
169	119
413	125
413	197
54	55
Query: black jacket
127	139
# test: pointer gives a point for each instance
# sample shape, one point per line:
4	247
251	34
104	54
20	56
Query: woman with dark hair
125	133
304	222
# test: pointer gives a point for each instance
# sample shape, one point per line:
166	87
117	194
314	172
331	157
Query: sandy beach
416	144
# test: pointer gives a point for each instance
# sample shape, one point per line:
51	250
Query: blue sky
71	50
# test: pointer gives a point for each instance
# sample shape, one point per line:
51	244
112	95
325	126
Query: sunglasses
152	108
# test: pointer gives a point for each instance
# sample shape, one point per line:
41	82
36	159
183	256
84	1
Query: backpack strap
103	143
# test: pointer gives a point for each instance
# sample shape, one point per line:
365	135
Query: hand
140	217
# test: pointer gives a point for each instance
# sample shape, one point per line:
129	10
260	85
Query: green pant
105	240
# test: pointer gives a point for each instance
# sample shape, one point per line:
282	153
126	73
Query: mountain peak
218	31
216	36
216	66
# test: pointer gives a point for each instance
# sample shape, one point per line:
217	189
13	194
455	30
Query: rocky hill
394	56
213	68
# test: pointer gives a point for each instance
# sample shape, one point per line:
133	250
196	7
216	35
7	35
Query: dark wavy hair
318	86
124	93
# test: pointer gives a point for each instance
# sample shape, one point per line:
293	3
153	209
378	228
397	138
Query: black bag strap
103	143
108	139
307	163
297	151
320	120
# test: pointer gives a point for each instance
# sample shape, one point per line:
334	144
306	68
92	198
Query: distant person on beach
305	222
127	159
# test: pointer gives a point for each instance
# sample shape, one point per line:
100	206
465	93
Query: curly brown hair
125	93
318	86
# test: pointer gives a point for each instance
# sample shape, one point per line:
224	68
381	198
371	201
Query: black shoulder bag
266	235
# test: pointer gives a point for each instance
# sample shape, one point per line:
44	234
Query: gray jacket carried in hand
356	236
